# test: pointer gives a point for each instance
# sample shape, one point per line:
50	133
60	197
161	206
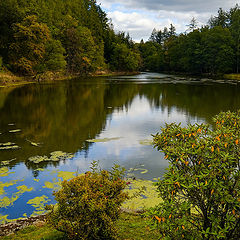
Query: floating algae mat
39	204
146	142
33	143
142	170
8	146
15	130
4	172
8	201
102	140
55	184
54	157
142	194
32	197
7	162
37	193
131	170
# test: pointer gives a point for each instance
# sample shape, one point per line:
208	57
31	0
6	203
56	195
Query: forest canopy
77	37
210	49
42	35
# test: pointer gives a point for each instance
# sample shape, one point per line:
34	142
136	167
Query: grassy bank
8	79
108	73
232	76
130	227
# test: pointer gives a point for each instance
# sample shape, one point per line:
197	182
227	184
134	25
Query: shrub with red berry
89	205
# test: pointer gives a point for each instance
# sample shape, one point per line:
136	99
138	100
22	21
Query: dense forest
212	49
77	37
41	35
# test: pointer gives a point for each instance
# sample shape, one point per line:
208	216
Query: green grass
130	227
134	227
36	233
232	76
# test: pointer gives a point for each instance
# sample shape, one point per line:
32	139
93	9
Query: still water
106	119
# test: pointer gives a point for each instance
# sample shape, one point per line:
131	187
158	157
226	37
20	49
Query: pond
52	131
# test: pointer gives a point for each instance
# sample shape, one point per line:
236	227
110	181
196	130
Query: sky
139	17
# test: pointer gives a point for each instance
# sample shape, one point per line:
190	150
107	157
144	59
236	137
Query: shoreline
8	79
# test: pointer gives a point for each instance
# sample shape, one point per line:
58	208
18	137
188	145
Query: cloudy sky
139	17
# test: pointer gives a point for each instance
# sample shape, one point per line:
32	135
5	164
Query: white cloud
173	5
139	17
140	25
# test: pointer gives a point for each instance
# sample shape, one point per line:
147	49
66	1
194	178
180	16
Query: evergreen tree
193	24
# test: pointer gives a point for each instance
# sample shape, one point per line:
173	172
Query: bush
201	189
89	204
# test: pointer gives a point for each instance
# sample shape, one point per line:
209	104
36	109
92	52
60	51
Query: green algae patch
38	203
40	169
131	170
8	201
34	143
49	185
142	194
143	171
7	184
4	172
5	163
52	185
146	142
38	159
55	185
54	157
66	175
102	140
59	155
23	188
8	146
15	130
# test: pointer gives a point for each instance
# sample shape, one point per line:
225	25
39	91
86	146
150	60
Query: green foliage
29	47
79	30
124	58
201	189
218	50
88	205
212	49
152	56
54	59
81	50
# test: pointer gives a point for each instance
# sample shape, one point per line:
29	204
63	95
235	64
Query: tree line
211	49
40	35
37	36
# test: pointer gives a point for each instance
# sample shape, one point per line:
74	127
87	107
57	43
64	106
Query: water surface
106	119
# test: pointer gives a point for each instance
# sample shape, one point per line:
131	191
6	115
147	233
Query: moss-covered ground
130	227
